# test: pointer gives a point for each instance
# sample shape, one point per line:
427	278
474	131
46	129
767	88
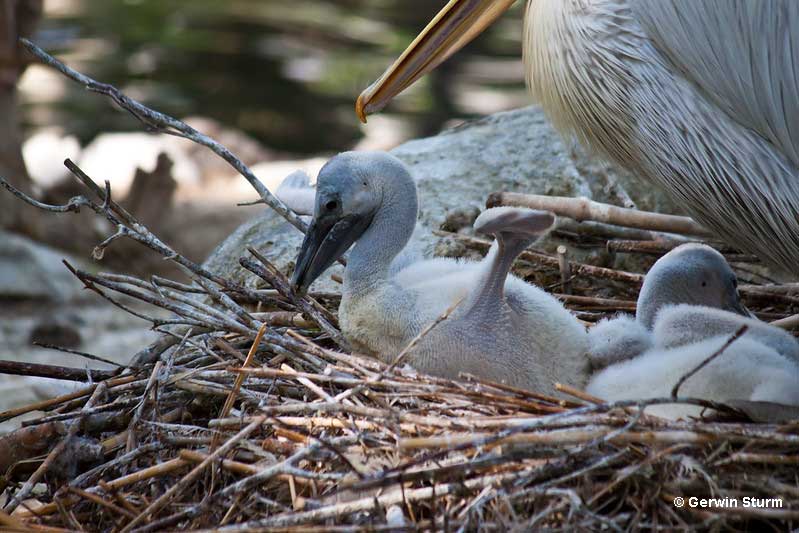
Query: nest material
251	414
289	431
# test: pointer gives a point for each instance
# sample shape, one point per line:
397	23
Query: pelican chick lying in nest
688	309
503	329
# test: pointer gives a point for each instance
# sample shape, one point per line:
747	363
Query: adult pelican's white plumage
699	96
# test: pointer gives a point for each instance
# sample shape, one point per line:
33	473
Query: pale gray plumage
679	325
747	370
698	96
693	274
763	365
503	330
617	339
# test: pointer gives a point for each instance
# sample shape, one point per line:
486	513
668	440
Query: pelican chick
693	274
503	329
687	309
679	325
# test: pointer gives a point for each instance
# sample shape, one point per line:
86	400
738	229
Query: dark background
285	71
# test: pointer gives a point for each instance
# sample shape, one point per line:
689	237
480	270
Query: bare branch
164	123
735	336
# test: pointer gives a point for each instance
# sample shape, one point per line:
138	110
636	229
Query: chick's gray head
349	191
693	274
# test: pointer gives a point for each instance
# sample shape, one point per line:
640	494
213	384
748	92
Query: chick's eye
704	283
331	205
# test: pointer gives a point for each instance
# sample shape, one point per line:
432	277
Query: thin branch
735	336
80	354
26	489
73	206
164	123
581	209
64	373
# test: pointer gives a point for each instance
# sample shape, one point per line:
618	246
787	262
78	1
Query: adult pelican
698	96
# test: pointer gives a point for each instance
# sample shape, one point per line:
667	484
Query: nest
251	413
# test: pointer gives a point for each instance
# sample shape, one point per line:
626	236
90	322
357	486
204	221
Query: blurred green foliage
285	71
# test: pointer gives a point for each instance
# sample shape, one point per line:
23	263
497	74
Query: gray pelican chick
680	325
747	370
691	274
503	329
687	310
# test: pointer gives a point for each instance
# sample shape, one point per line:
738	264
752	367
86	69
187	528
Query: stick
789	322
234	392
80	354
565	271
558	438
735	336
46	404
603	303
580	269
64	373
660	247
26	489
583	208
151	383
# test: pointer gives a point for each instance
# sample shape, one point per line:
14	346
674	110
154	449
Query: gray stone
33	271
455	172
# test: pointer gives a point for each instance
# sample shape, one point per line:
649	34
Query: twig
597	303
565	270
735	336
64	373
166	124
148	389
80	354
26	489
585	209
234	392
581	269
660	247
787	323
156	470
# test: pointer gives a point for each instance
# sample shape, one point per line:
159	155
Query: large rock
33	271
455	172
